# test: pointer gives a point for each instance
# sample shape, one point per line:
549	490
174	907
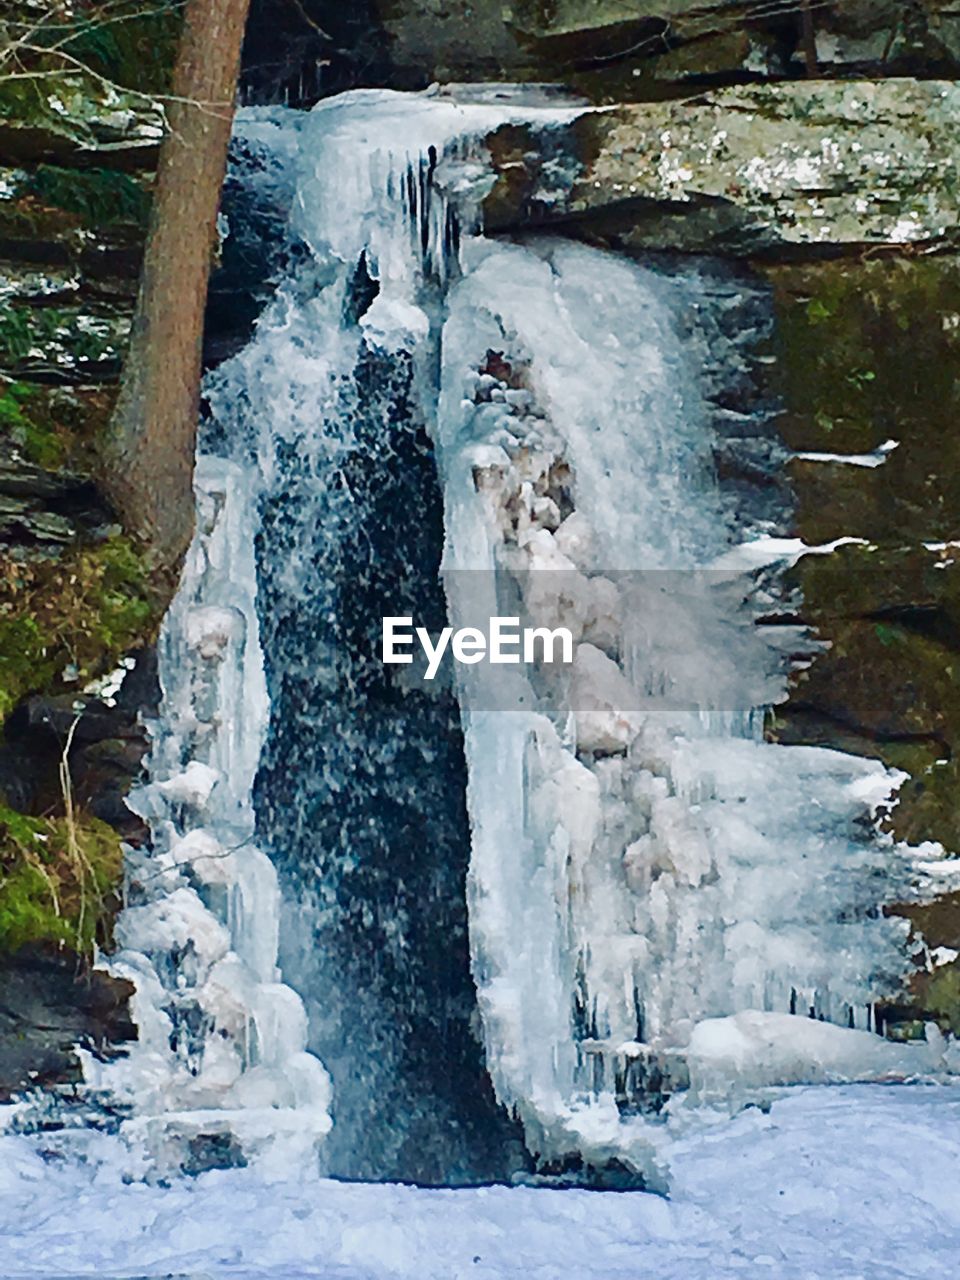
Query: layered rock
794	166
863	361
622	52
48	1007
79	137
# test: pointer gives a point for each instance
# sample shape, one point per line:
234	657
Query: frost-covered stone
790	164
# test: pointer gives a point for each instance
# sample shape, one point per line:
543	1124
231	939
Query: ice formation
220	1060
660	902
642	860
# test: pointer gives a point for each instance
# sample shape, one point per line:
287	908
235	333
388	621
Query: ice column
221	1051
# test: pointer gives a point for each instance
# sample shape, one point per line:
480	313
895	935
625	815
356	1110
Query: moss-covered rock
935	986
70	617
886	680
50	214
61	115
887	684
79	343
38	442
865	348
80	126
866	353
52	427
928	806
85	78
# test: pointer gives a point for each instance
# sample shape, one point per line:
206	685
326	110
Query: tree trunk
808	39
149	450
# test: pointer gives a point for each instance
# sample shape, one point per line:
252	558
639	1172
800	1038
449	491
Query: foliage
98	197
58	880
59	337
130	43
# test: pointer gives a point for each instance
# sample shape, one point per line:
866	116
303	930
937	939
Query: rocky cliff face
813	148
653	48
298	50
79	134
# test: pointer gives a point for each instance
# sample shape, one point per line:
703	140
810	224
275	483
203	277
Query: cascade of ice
220	1068
643	864
360	796
655	894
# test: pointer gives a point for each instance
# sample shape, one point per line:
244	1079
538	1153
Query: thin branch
80	27
199	857
298	5
718	25
217	109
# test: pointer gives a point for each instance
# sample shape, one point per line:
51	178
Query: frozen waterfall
220	1067
539	903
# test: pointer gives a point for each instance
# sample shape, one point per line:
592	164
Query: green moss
57	111
939	994
58	881
22	102
867	350
57	428
888	686
895	685
135	48
85	609
928	806
25	218
80	53
37	440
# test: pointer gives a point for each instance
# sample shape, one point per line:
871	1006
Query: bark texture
149	451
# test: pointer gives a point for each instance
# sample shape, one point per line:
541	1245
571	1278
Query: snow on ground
860	1181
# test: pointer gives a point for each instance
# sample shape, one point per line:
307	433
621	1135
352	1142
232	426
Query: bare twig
298	5
81	864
